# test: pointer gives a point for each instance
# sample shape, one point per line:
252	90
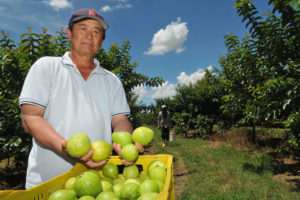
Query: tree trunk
253	135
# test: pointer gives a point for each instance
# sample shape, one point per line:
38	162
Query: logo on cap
92	12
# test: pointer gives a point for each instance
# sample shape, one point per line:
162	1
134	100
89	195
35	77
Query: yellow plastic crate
43	191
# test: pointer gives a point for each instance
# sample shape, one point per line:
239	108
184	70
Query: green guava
157	173
142	135
132	180
130	191
143	176
131	171
88	183
117	188
78	145
107	195
157	163
87	197
102	150
160	185
122	138
107	185
148	196
63	195
149	186
110	170
70	183
129	152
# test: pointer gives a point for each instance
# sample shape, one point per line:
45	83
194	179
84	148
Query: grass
223	172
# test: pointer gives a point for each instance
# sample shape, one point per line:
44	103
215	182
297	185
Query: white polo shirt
72	105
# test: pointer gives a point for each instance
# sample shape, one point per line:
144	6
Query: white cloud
60	4
170	38
184	79
108	8
141	91
169	89
166	90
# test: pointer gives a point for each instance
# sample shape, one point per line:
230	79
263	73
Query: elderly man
70	94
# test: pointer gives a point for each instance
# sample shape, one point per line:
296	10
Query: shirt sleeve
37	85
119	104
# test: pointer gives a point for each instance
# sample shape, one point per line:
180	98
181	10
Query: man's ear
69	33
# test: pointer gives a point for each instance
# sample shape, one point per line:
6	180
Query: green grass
224	173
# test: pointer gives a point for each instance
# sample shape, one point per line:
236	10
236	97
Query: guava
157	173
131	171
106	185
95	172
148	196
119	180
87	197
143	176
107	195
149	186
88	183
160	185
78	145
142	135
102	150
132	180
117	189
63	195
104	178
70	183
122	138
130	191
129	152
110	170
157	163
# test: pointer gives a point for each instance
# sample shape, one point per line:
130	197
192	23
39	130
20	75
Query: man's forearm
121	123
44	133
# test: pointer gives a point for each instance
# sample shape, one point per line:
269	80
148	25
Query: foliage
16	60
197	106
261	72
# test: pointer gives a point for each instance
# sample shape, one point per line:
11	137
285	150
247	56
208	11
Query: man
164	123
70	94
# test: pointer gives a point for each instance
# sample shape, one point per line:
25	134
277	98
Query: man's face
86	37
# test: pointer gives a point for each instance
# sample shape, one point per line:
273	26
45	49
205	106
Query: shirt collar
66	60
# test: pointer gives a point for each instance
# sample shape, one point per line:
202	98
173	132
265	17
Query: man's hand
118	149
86	159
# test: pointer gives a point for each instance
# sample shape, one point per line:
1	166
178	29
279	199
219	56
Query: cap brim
101	21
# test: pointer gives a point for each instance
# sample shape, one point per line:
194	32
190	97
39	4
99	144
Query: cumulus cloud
168	39
108	8
169	89
141	91
166	90
184	79
60	4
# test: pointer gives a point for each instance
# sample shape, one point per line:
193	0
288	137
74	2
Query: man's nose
89	34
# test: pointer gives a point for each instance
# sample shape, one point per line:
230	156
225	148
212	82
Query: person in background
65	95
164	124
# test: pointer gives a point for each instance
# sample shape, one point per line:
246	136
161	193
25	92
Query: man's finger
126	163
88	156
140	147
92	164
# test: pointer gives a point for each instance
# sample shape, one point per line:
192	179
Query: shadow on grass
290	169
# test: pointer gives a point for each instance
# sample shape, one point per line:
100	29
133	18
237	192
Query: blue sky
173	39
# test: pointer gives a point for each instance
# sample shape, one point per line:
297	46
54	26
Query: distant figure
164	124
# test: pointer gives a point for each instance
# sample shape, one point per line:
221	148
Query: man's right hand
86	159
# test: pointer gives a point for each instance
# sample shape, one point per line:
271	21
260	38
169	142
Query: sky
173	39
